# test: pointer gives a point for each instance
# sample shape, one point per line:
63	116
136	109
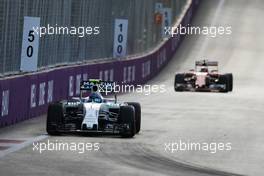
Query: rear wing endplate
103	86
206	63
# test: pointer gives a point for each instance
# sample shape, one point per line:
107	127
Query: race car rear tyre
54	118
230	81
137	114
127	114
223	79
179	79
207	81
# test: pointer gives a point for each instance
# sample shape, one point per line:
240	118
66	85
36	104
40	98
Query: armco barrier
26	96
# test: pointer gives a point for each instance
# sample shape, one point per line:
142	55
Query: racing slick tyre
179	79
127	114
207	81
137	114
54	118
230	81
223	79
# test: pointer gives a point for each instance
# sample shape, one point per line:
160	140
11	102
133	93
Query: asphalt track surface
235	117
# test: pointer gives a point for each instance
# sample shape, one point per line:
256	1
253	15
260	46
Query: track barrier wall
26	96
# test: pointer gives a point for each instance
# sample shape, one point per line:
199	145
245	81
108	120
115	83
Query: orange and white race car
205	77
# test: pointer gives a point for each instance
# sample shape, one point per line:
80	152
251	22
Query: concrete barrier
27	96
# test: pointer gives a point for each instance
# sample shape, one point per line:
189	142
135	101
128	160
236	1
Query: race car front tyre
230	81
223	80
54	118
179	79
127	114
137	114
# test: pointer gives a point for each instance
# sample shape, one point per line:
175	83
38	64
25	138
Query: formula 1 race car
205	77
94	113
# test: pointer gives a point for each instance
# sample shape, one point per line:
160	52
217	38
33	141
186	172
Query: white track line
17	147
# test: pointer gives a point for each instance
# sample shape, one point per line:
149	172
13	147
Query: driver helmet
95	97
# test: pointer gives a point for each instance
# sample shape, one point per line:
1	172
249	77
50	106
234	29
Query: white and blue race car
94	113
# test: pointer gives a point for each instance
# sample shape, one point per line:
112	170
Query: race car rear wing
97	85
206	63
